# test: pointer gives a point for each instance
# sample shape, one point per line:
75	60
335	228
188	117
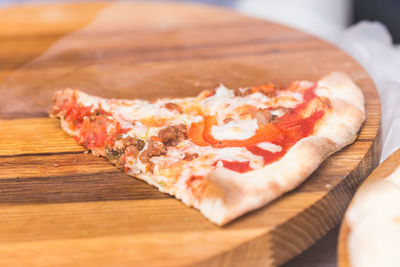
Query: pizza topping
206	93
279	112
263	116
75	113
267	155
266	89
131	141
190	156
236	166
172	135
242	92
130	145
123	142
264	132
226	120
154	149
93	132
132	151
257	122
215	103
195	134
265	135
270	147
172	106
235	130
293	129
114	156
194	182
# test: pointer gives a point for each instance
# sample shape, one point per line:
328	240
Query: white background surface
320	17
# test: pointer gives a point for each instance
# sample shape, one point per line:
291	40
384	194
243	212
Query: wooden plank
52	165
99	218
124	250
32	136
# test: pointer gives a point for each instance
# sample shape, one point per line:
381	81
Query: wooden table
61	206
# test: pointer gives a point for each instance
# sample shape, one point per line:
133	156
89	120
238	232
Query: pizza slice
225	152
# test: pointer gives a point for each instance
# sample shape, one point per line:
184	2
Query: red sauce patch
192	179
286	132
268	156
93	132
74	112
236	166
293	131
193	183
92	125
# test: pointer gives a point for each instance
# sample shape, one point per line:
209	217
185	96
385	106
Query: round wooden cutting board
59	205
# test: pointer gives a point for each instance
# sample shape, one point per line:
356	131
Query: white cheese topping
218	101
374	219
295	95
224	102
235	154
235	130
270	147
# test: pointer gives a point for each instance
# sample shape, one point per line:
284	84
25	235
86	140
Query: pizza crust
228	194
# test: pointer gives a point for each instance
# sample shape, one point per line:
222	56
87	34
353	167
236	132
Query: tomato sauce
93	132
193	183
74	113
236	166
295	132
286	132
92	125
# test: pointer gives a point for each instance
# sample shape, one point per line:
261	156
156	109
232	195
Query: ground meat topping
266	89
242	92
190	156
172	135
114	156
154	149
172	106
263	116
131	141
131	151
226	120
123	142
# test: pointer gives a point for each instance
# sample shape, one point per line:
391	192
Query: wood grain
60	206
385	169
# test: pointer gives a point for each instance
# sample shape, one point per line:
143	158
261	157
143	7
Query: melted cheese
270	147
224	103
374	218
235	130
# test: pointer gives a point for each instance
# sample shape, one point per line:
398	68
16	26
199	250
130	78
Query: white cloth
371	45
